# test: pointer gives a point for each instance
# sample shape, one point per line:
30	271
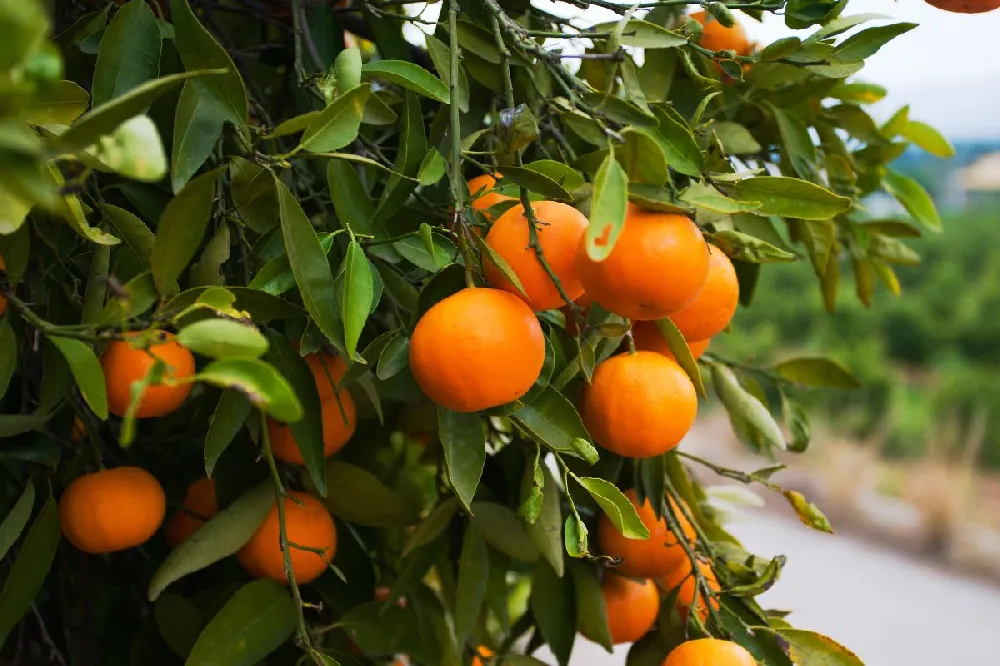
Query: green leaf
8	353
682	353
703	195
464	439
817	371
393	358
678	142
30	569
359	497
338	124
179	622
223	338
207	271
227	420
130	52
104	119
797	143
13	211
608	206
645	34
494	258
928	138
473	572
253	624
812	649
86	371
504	530
441	57
552	605
431	168
224	534
741	403
358	293
412	148
546	531
133	231
181	229
309	265
913	197
197	128
620	110
591	612
736	139
643	157
71	210
616	506
252	190
262	385
15	521
59	103
350	199
789	197
537	182
553	420
408	75
868	42
432	526
745	247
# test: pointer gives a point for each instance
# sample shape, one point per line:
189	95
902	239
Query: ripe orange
688	593
560	231
647	337
632	607
308	524
3	301
328	370
123	364
714	651
718	37
639	405
965	6
481	651
199	506
656	556
715	305
338	428
477	349
656	268
112	510
483	198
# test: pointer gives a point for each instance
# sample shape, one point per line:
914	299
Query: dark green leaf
645	34
464	439
554	611
616	506
591	612
15	521
133	231
682	353
491	255
431	168
504	530
224	534
358	293
789	197
393	358
736	139
8	354
252	190
432	526
227	421
181	229
140	294
359	497
678	142
130	52
817	371
797	143
259	618
742	404
262	385
537	182
608	206
179	622
408	75
350	198
198	124
473	572
552	420
643	157
30	569
412	148
338	124
86	371
441	57
867	43
546	531
620	110
650	197
309	265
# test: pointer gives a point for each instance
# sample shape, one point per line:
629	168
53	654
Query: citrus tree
365	332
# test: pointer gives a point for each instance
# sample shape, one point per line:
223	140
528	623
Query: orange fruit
308	524
688	593
709	651
483	198
560	231
476	349
124	364
3	301
647	337
656	268
198	507
481	651
656	556
328	371
632	607
639	405
717	37
965	6
338	428
714	307
112	510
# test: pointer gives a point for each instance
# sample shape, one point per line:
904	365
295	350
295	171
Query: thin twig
54	651
457	192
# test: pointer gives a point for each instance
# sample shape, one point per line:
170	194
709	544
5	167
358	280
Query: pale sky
947	69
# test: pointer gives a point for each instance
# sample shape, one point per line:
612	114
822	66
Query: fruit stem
302	632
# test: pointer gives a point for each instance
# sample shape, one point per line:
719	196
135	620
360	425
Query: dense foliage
231	173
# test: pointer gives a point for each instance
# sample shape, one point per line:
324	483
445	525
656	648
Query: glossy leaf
553	421
789	197
337	125
913	197
223	338
358	293
616	506
133	231
130	52
609	203
262	385
464	439
181	229
868	42
86	371
227	420
408	75
431	527
537	182
30	569
682	353
431	168
678	142
360	497
224	534
15	521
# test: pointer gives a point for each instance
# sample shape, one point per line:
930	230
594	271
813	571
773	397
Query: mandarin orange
712	310
483	197
632	607
709	652
656	556
339	417
689	595
647	337
307	523
124	365
198	507
717	37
